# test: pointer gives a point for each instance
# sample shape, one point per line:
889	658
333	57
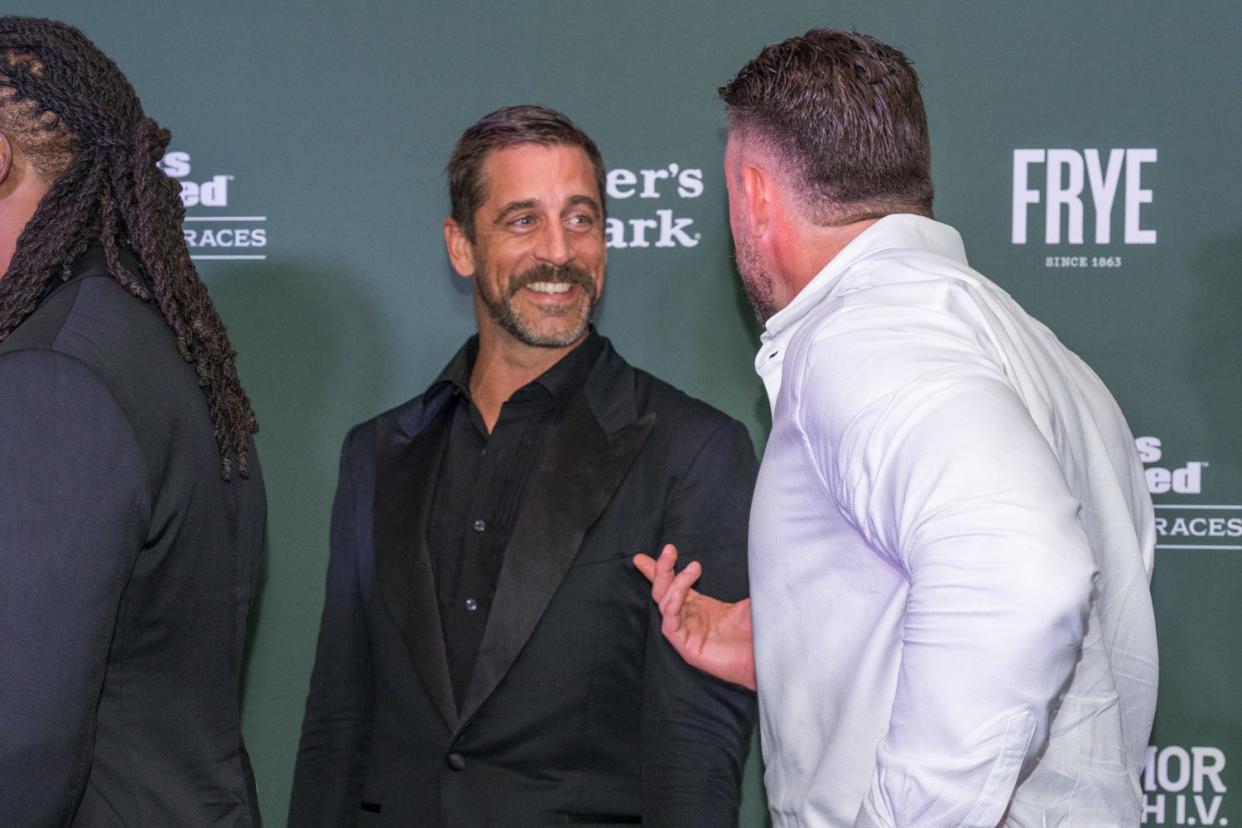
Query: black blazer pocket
618	538
371	815
617	560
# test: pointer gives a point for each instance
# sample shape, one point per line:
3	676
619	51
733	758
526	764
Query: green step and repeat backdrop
1087	151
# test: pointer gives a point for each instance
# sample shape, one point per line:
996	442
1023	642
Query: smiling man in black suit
487	654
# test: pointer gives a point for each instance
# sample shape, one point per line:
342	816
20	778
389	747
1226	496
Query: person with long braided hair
132	507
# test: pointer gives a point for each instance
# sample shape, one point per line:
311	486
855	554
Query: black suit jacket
127	567
578	711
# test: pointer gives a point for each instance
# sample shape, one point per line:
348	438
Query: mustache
552	273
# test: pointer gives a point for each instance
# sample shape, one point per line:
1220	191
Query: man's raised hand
711	635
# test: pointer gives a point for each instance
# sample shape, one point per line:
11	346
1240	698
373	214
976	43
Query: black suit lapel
582	468
406	471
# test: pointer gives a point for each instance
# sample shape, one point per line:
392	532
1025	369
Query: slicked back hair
841	113
509	127
69	108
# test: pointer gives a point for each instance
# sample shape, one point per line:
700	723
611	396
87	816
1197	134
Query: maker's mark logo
213	230
662	227
1069	185
1183	786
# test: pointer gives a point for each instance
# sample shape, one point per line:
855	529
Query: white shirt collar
899	230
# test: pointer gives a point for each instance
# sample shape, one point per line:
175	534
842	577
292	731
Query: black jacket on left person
127	569
578	711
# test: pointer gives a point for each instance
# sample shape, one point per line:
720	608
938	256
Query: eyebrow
529	203
516	206
588	201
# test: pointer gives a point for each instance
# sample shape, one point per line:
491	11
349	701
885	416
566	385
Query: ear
460	248
757	192
6	158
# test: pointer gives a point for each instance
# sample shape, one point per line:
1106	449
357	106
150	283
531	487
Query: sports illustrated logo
213	235
1181	525
663	227
1187	479
1183	786
1110	181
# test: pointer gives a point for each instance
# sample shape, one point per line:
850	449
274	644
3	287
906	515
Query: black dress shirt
483	480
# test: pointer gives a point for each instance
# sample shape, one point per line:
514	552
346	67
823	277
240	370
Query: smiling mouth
550	287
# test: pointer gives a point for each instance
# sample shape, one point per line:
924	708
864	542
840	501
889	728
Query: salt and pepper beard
502	310
759	285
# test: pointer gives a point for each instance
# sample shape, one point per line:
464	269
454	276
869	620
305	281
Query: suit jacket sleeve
696	728
336	729
74	506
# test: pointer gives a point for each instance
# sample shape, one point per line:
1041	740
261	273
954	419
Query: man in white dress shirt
951	538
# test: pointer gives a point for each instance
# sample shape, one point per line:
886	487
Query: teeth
550	287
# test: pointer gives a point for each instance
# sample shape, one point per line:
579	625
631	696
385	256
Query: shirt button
471	605
479	525
456	761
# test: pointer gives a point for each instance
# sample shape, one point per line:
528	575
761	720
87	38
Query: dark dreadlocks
78	119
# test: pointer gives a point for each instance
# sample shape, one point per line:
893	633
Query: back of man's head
71	112
842	116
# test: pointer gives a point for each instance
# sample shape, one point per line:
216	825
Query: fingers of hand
663	572
672	602
688	576
678	588
646	565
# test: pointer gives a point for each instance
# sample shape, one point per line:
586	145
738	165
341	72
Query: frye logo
1070	179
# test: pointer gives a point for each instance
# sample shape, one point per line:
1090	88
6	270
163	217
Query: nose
555	247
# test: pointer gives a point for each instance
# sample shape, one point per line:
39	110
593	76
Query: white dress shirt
951	546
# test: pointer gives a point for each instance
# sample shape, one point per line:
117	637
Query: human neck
810	251
504	365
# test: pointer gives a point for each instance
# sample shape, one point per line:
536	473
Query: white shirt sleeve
923	444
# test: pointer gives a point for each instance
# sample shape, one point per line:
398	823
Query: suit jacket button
456	761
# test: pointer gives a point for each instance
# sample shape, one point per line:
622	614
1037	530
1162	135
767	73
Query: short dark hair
509	127
843	113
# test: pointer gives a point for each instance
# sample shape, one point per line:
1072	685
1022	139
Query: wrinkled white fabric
951	546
